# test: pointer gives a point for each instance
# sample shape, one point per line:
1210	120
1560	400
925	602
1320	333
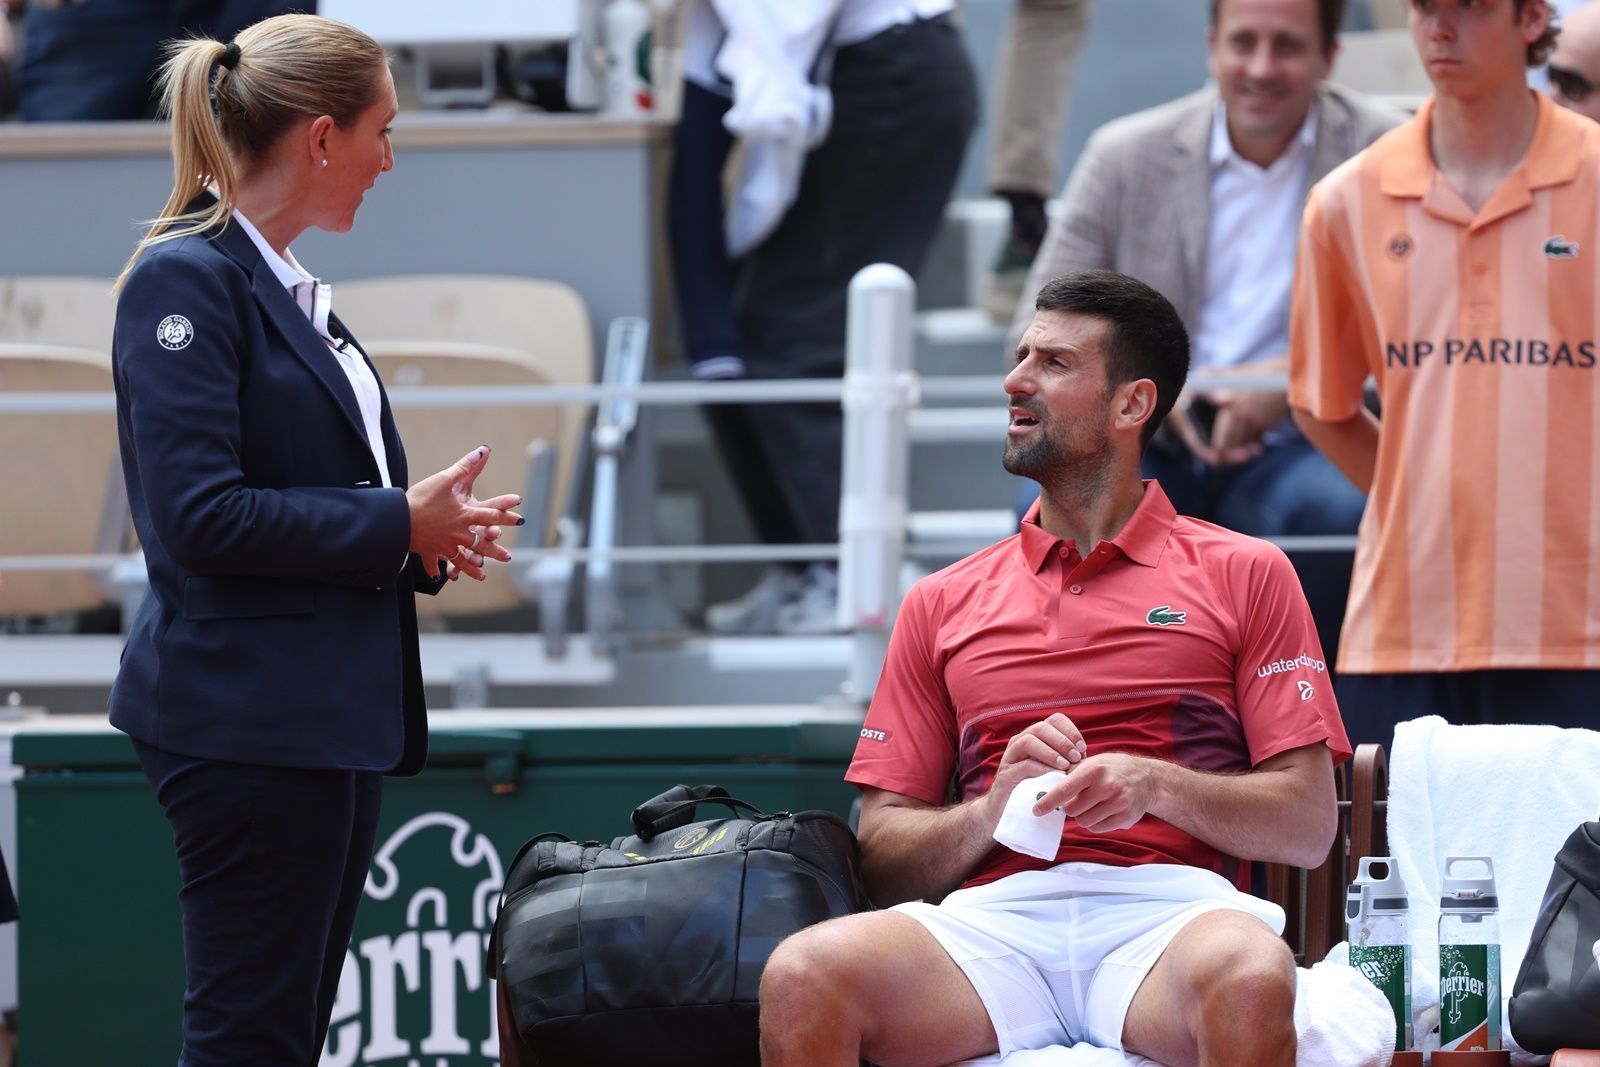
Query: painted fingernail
521	521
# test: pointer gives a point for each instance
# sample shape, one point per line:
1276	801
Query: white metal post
879	390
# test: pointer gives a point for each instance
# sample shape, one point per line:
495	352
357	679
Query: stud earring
324	162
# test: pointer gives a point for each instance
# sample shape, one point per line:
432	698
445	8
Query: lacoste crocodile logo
1558	247
1165	616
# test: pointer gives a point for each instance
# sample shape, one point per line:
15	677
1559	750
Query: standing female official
271	677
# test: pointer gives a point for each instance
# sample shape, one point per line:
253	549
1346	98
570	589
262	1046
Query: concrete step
959	341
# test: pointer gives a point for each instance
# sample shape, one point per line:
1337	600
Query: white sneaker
756	611
812	608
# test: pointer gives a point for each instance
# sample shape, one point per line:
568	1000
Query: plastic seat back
61	474
435	437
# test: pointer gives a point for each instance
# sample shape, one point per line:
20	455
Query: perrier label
1388	968
1469	997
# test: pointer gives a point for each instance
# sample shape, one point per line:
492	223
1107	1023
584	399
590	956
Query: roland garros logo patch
175	332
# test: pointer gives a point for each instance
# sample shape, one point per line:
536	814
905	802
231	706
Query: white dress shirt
1250	243
316	300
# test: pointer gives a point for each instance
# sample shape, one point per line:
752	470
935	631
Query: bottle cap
1377	890
1465	889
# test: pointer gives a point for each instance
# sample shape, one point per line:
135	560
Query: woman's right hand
444	511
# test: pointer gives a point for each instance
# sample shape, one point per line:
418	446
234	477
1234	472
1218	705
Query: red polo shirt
1177	640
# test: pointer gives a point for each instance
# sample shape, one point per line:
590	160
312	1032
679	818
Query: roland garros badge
175	332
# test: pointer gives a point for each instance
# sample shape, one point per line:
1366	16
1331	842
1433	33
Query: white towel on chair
1340	1017
1510	792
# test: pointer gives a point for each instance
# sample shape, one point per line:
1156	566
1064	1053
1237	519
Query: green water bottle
1469	957
1376	916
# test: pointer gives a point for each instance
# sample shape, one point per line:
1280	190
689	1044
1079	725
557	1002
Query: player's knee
1245	988
810	973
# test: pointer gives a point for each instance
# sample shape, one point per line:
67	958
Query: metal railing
882	398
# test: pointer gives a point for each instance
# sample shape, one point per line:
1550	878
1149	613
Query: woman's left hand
469	560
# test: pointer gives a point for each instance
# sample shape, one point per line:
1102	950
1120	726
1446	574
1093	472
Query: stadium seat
65	463
479	330
547	322
79	312
436	437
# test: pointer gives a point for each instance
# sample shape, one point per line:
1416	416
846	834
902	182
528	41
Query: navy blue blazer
280	626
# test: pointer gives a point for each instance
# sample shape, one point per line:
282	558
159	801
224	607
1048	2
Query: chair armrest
1325	884
1369	802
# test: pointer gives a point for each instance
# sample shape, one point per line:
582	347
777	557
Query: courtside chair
1369	836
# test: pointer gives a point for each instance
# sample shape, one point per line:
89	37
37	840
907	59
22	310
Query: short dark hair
1144	337
1541	47
1330	16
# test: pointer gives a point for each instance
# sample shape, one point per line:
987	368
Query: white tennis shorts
1057	955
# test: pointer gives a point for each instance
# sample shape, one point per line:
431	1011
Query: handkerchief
1021	830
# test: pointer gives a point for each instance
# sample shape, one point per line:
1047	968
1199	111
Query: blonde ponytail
274	73
199	158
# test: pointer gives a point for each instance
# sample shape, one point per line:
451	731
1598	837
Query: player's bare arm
1285	810
915	850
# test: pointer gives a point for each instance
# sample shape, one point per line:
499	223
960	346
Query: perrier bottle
1376	916
1469	957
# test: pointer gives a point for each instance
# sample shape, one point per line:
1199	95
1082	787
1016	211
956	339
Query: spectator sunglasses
1570	84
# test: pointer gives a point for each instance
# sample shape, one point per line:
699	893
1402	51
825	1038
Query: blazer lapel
303	340
391	435
1191	196
1336	138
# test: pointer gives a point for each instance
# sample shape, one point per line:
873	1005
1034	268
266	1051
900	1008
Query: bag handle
548	835
676	807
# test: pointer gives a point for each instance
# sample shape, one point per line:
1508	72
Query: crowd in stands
853	120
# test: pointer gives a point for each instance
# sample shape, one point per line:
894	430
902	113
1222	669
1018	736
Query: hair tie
230	56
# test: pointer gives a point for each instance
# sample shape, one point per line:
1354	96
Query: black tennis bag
1556	999
649	951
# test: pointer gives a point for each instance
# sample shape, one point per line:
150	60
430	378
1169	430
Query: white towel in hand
1021	830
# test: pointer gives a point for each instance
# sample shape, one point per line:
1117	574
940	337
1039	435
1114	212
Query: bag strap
676	808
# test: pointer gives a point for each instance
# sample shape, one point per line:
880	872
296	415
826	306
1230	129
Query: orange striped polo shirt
1477	549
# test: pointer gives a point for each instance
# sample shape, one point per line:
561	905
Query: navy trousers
874	191
272	861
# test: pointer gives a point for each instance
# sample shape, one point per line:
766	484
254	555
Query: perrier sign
1469	997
